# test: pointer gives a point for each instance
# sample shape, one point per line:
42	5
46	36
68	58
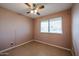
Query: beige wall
64	39
14	28
75	28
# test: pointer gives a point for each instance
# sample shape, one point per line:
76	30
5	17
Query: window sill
51	33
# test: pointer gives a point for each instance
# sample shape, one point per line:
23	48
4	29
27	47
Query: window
44	26
53	25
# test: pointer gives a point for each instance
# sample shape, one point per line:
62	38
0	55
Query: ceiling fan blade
41	7
28	4
38	13
34	5
28	12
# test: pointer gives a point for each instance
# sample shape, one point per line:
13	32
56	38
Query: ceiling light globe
32	11
35	11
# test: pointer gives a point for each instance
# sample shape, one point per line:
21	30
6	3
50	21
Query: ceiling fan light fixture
33	11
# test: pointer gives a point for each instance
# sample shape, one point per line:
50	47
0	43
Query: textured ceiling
49	8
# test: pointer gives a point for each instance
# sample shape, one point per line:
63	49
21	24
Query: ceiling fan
34	8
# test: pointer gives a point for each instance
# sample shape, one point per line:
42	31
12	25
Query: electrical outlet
12	43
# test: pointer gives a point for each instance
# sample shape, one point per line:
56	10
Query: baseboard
53	45
14	46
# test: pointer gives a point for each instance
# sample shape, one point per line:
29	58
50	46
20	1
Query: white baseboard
53	45
14	46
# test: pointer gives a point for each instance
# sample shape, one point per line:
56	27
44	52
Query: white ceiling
49	8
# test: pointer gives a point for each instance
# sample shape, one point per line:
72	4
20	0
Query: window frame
49	25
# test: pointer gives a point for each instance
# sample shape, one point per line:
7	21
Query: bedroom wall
14	28
75	28
63	40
